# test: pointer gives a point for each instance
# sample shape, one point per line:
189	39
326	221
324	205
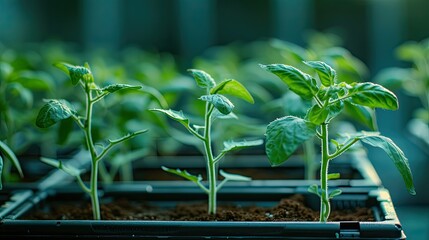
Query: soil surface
288	209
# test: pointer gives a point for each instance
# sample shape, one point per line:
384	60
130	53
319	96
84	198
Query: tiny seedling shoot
329	95
217	106
56	110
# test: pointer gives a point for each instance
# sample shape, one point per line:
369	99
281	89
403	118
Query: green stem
221	184
211	168
325	207
82	185
94	166
343	149
94	191
319	103
219	157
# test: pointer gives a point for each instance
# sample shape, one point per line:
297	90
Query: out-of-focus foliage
414	81
28	77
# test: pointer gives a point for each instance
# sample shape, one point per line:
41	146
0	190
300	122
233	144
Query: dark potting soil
288	209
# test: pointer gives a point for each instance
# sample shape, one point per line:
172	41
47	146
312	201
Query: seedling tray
386	226
80	160
11	199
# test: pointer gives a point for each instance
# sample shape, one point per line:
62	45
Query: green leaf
333	176
234	177
326	73
72	171
333	92
8	153
76	73
364	115
234	88
5	70
217	115
64	67
300	83
335	109
336	143
317	115
299	107
410	51
335	193
203	79
116	87
35	80
19	95
52	112
314	189
395	154
184	174
155	94
220	102
373	95
175	115
233	146
284	136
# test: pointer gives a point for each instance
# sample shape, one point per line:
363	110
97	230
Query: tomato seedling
217	106
329	95
56	110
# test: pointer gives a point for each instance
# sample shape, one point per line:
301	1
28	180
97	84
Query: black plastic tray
386	226
355	168
11	199
54	176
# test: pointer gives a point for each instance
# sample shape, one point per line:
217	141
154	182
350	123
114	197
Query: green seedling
217	106
329	94
325	47
56	110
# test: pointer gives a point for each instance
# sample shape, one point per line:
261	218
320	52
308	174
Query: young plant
286	134
56	110
217	106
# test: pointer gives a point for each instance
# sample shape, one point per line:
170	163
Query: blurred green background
370	29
